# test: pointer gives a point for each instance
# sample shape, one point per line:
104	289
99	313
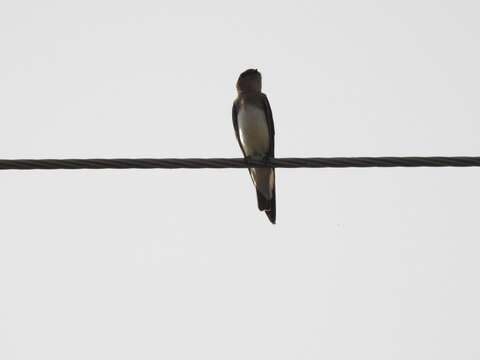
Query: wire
220	163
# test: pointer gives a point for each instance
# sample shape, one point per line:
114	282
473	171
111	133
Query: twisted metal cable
222	163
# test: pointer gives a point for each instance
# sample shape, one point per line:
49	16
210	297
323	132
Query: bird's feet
267	160
249	159
264	159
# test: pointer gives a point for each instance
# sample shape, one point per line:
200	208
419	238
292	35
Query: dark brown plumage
254	130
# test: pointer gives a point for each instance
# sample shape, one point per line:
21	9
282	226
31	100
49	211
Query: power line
221	163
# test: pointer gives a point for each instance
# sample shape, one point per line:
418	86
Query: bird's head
249	81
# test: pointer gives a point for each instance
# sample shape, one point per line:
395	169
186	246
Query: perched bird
253	124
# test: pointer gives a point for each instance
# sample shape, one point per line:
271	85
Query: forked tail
269	206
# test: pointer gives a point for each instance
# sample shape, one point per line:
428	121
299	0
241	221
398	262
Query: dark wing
235	124
271	128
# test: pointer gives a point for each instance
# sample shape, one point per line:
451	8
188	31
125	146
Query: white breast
253	130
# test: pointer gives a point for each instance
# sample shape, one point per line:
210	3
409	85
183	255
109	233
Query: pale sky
180	264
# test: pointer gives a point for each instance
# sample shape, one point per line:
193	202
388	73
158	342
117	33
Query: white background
180	264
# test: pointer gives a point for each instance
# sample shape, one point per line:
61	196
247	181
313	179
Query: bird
255	133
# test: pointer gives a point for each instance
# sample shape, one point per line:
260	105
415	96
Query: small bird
253	124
